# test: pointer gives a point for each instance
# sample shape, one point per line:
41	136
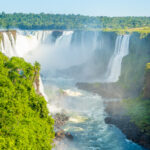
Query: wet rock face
60	119
146	89
56	34
59	135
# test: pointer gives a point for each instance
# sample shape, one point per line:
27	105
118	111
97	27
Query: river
86	123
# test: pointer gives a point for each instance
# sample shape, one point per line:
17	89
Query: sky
83	7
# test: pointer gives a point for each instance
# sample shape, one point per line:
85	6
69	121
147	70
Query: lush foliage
57	21
148	66
139	108
139	111
24	119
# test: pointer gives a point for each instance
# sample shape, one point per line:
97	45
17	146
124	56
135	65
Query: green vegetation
24	119
148	66
57	21
139	108
139	111
132	76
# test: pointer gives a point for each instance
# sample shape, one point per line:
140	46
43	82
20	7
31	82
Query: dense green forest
57	21
24	119
138	108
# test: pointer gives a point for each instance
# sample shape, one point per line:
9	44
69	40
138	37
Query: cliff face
8	32
37	84
36	79
133	65
146	89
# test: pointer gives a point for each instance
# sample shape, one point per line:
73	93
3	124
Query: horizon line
67	14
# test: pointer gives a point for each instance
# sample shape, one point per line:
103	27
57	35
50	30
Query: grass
144	31
148	66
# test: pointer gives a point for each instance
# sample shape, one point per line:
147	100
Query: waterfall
89	42
24	42
62	49
42	89
27	42
71	49
121	50
64	40
7	44
43	36
56	50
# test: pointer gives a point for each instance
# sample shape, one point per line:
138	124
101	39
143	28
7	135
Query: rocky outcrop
106	90
9	33
59	135
36	79
60	120
62	134
118	116
37	85
56	34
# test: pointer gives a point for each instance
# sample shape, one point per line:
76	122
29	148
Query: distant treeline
57	21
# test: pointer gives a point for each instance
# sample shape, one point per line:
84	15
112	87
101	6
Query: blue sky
84	7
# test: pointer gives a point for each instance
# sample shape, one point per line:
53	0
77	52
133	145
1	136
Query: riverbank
124	114
118	116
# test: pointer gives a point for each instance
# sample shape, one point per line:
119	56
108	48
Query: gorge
103	63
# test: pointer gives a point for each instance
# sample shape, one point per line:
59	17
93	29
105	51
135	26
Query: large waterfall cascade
62	52
86	110
69	49
53	49
121	50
